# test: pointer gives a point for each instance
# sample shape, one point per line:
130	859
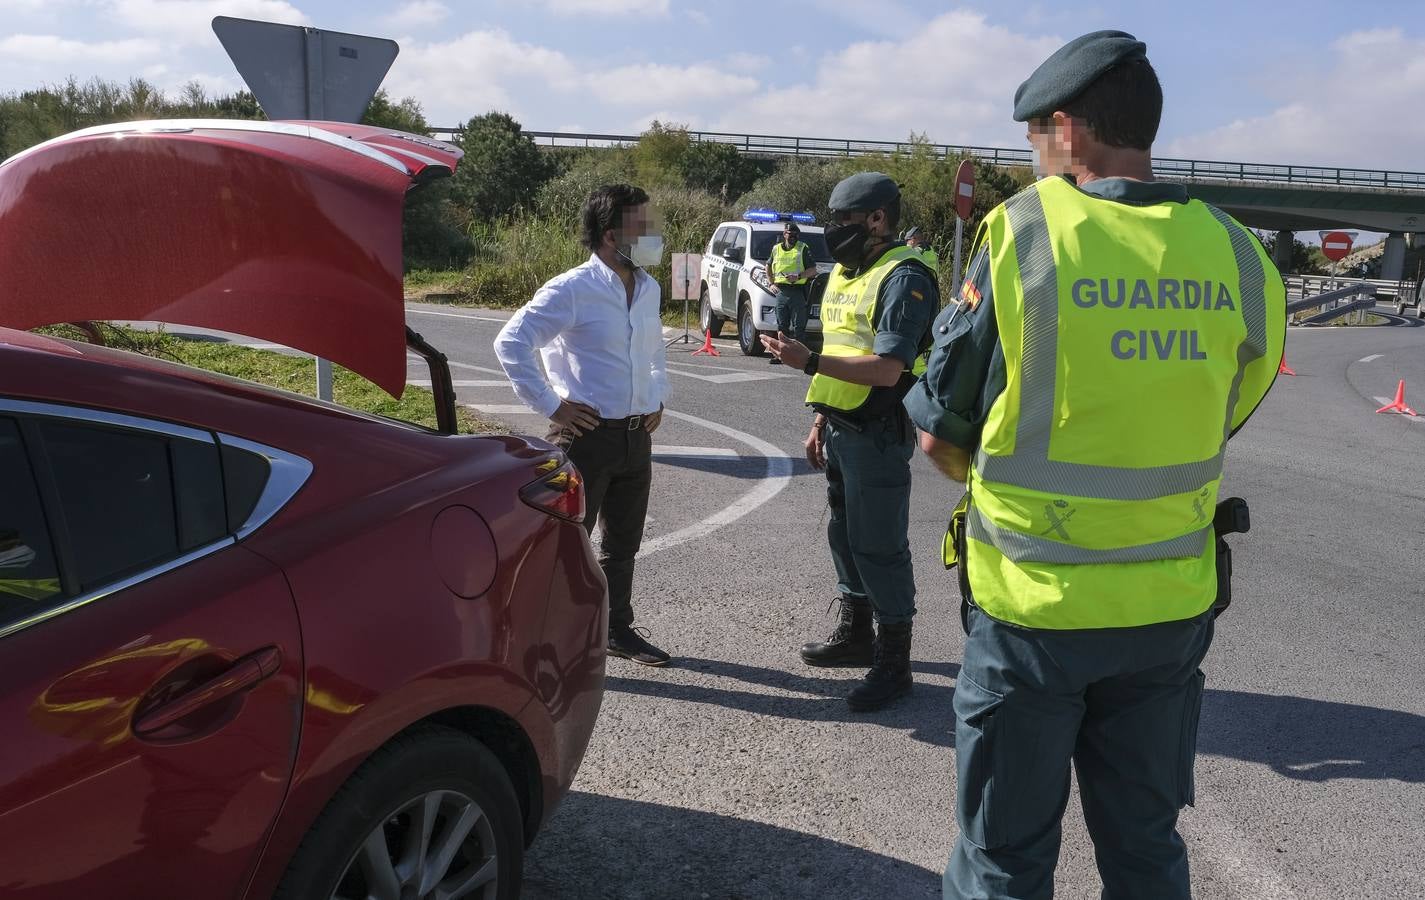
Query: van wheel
431	814
709	322
747	332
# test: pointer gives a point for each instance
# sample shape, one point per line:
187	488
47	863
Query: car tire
709	322
430	771
747	331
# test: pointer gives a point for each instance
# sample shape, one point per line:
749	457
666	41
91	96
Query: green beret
863	191
1071	69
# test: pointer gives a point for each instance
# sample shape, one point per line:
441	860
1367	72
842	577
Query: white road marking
1372	358
670	450
779	475
731	377
502	409
479	382
446	315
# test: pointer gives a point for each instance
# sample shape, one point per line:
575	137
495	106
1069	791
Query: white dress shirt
597	348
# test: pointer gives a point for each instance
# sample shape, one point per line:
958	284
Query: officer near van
792	269
876	313
1111	335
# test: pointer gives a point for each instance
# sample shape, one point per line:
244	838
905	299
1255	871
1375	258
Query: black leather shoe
889	678
629	643
851	644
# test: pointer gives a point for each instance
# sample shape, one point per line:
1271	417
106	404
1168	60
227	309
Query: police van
736	287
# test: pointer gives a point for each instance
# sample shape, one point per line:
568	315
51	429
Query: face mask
646	251
848	243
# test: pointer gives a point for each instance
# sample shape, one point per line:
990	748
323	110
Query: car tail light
558	492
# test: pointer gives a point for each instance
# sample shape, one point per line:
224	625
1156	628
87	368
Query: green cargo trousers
1123	706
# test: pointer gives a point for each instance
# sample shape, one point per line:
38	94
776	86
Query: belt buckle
635	423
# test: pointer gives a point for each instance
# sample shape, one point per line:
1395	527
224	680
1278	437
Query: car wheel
709	322
747	332
431	814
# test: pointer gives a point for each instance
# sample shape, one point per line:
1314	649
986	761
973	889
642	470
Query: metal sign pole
316	110
955	272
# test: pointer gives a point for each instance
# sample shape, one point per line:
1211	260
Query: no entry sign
1336	245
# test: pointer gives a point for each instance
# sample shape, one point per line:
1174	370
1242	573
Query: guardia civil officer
875	314
792	268
916	239
1112	334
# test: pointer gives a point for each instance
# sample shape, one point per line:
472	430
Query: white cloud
689	88
476	73
418	14
190	21
1357	110
609	7
952	79
50	48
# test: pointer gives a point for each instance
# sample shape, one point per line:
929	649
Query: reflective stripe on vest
786	263
847	307
1190	311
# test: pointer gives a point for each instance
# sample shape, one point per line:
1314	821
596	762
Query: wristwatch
813	362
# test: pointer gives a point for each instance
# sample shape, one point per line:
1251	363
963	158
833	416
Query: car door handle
243	675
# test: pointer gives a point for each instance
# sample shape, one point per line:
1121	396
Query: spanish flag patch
969	295
917	295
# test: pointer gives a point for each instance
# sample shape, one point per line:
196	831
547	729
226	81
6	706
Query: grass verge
285	371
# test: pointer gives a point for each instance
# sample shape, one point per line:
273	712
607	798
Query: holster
1232	517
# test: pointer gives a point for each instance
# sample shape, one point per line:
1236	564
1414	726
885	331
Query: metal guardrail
1364	293
1163	167
1311	285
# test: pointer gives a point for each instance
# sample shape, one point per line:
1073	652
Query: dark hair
1124	107
792	227
604	211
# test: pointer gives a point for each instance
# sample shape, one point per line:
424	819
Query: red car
251	644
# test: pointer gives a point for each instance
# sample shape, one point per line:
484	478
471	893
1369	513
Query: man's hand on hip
575	416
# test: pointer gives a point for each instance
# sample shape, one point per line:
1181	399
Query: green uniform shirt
908	301
966	371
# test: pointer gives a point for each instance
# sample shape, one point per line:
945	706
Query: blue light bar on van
772	215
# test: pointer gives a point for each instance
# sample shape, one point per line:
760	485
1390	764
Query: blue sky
1335	85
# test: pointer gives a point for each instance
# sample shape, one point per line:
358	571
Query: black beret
1071	69
863	191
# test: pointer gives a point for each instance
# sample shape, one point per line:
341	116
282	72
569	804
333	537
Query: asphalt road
739	772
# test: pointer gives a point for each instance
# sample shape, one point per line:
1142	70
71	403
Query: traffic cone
1398	404
1283	368
707	346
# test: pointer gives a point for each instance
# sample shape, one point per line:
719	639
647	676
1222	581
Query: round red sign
1336	245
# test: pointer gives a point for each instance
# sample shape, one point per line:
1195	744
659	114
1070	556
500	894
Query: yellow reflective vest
848	327
786	263
1135	339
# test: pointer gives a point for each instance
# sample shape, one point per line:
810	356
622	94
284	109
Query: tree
404	116
719	169
502	171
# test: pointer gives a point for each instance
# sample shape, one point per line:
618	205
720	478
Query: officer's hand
790	352
952	462
653	420
816	449
575	416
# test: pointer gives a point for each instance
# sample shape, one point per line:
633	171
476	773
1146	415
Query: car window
29	575
763	241
719	241
132	499
739	239
245	476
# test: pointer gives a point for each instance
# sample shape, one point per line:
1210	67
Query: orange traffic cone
1283	368
1398	404
707	346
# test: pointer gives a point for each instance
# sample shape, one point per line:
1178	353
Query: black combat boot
850	644
889	678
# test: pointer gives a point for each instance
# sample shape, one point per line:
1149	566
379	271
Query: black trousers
617	465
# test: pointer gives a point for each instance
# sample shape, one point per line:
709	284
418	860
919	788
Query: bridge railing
1164	167
1358	296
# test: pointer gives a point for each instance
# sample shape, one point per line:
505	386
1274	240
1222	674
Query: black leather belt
632	423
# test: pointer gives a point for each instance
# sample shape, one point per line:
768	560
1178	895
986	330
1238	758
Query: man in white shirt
598	330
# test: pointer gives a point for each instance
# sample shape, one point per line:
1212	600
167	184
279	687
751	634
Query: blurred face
1053	139
639	238
789	237
875	221
917	242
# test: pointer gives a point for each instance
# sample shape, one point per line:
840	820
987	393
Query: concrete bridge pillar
1392	262
1286	240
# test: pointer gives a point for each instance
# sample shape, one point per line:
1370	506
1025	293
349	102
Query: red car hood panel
286	232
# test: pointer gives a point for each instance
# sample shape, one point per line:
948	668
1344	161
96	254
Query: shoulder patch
969	295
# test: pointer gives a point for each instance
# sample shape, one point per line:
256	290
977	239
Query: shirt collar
1128	190
610	275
